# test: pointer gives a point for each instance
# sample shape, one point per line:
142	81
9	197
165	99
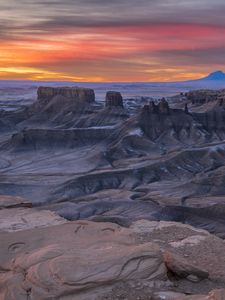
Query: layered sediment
113	99
107	189
45	94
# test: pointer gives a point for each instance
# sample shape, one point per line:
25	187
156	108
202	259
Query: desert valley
112	197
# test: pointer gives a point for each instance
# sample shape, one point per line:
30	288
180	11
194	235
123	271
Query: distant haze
20	92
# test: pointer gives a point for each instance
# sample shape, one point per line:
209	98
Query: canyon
114	199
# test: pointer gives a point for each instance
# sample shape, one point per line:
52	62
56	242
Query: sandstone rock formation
78	260
212	98
113	99
202	96
45	94
182	268
86	260
159	120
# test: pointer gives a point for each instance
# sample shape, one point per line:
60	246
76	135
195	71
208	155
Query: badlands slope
113	200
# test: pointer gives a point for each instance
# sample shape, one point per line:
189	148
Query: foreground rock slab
87	260
77	260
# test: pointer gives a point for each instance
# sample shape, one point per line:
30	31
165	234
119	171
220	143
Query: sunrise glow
77	42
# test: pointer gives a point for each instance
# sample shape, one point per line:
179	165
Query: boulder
182	268
113	99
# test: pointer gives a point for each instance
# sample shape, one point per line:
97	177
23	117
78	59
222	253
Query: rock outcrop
50	138
113	99
85	260
202	96
172	126
59	106
45	94
78	260
159	119
163	107
199	97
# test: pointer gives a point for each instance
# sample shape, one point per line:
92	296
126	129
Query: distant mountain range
215	80
218	75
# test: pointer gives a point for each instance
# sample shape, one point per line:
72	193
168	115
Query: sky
116	40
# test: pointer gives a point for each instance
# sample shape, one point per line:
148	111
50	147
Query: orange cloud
129	53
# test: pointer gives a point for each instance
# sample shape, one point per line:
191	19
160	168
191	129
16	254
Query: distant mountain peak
217	75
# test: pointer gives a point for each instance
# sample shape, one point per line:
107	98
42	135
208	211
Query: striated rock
84	260
202	96
160	120
45	94
113	99
50	138
77	260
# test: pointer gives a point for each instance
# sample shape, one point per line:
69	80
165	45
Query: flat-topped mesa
45	94
113	99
